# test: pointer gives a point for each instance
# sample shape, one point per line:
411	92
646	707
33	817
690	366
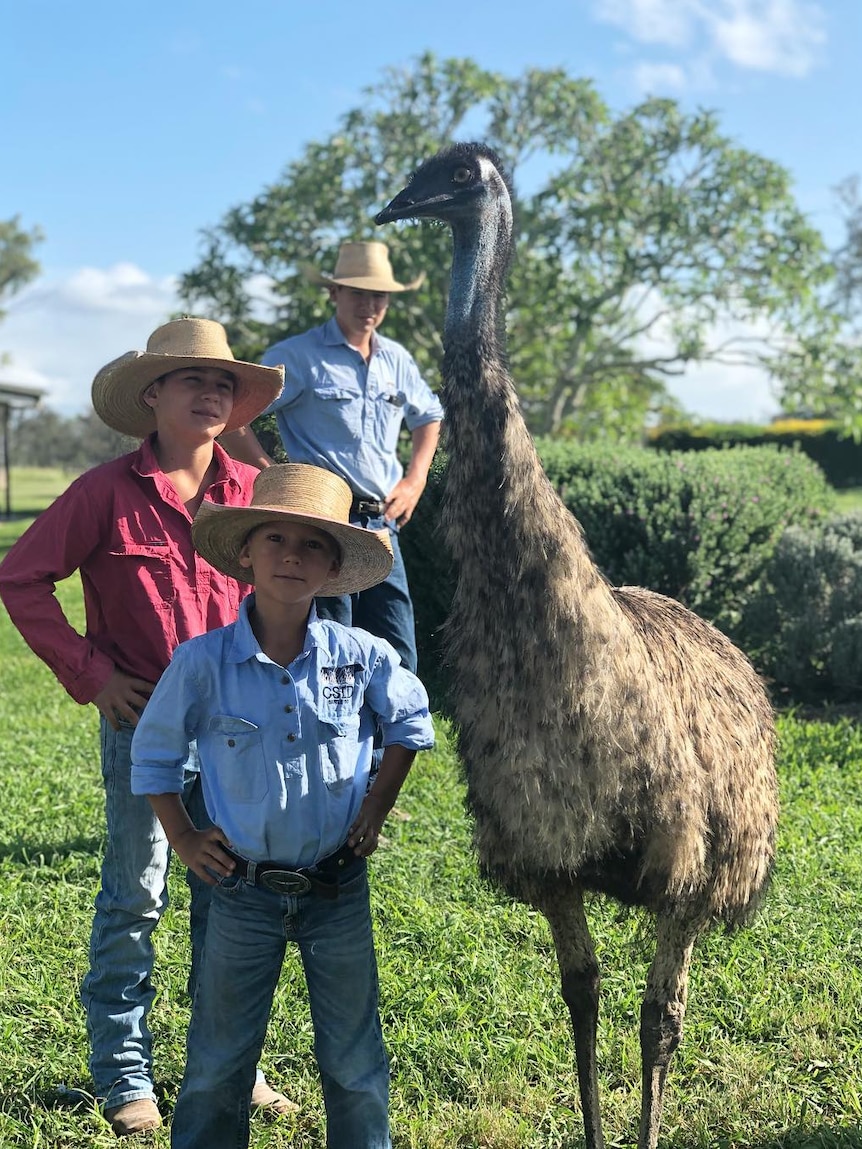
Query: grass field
850	500
477	1032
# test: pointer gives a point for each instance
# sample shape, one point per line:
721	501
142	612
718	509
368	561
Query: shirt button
291	737
231	742
288	709
285	681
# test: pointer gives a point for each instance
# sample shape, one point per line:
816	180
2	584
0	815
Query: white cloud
728	394
668	22
784	37
729	391
653	78
780	36
59	332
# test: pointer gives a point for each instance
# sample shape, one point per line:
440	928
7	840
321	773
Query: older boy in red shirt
126	527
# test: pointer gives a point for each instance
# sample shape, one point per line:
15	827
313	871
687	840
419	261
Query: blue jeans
117	991
385	610
247	936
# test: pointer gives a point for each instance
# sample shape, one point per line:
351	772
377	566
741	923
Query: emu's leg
662	1016
579	971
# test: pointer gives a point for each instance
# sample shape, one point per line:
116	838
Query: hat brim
118	389
218	534
361	282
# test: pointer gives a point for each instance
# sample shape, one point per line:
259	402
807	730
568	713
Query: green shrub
822	440
803	623
699	527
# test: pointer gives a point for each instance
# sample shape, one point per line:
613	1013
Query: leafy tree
637	231
74	443
17	265
821	369
848	257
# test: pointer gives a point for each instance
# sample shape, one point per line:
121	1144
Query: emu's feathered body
612	740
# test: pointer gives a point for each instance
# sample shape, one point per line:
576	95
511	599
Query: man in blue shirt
347	391
284	708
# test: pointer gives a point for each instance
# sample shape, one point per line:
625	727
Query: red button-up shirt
124	527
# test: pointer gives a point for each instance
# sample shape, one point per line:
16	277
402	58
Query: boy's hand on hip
201	851
123	697
364	834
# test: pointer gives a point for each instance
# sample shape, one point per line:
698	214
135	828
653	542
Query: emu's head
460	183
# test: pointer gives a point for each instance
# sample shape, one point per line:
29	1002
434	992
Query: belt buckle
285	882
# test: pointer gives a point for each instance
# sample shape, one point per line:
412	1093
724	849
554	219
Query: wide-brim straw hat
297	493
118	389
365	266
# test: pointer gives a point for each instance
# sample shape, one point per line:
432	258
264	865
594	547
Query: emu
612	741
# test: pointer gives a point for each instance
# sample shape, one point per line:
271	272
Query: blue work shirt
338	412
285	753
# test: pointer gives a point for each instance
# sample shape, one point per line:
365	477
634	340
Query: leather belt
363	506
321	879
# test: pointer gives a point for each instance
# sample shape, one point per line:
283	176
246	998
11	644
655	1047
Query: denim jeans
247	936
117	991
386	609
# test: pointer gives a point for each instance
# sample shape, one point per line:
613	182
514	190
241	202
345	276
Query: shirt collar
333	336
145	463
245	646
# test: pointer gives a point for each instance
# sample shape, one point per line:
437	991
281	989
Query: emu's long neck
494	469
480	259
525	571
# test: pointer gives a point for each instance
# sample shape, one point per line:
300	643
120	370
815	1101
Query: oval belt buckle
285	882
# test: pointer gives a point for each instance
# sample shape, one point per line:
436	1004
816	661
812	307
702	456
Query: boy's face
290	562
192	402
358	312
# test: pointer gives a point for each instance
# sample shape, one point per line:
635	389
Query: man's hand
123	697
401	501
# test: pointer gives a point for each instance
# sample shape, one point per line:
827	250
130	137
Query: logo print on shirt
339	682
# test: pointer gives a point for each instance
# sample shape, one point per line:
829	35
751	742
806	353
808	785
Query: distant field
33	488
850	500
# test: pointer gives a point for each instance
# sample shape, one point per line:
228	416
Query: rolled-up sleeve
400	703
422	406
160	746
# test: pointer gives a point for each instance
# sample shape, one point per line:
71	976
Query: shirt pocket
339	750
150	559
233	749
340	409
389	406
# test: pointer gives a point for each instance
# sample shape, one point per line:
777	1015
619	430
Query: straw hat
118	389
297	493
362	265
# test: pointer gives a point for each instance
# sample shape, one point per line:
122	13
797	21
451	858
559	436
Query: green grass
849	500
477	1031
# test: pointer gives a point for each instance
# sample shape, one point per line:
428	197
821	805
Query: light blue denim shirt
285	752
339	412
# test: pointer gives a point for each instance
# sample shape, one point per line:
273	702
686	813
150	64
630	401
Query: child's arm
197	849
56	545
394	768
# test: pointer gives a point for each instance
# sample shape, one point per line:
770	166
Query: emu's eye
461	175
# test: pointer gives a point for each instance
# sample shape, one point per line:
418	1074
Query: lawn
477	1031
849	500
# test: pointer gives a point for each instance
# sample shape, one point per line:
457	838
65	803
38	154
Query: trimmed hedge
698	526
822	440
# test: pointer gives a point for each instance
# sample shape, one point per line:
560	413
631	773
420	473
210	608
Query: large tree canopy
637	231
17	265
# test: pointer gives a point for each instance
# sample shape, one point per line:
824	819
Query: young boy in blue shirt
284	707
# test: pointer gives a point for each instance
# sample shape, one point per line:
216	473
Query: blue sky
126	129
